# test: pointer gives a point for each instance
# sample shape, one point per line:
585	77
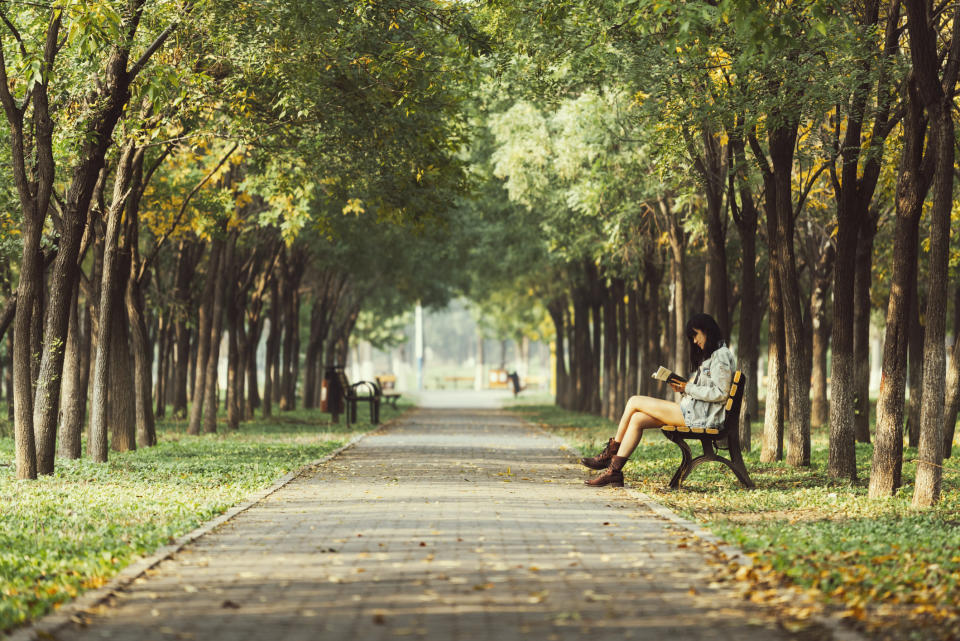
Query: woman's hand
678	386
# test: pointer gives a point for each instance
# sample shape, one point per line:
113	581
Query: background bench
726	437
342	395
388	392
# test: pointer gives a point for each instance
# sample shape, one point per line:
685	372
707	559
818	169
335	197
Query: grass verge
75	529
892	570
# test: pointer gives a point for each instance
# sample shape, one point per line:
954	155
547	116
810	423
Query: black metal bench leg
739	468
681	472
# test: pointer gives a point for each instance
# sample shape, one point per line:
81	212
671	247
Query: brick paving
449	525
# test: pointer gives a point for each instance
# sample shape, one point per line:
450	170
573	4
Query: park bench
455	381
726	437
351	394
388	392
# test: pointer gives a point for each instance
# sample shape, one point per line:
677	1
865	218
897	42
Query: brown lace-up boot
614	474
602	460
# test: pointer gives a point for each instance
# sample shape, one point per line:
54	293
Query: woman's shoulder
724	354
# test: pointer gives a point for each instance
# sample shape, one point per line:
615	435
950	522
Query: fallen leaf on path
538	597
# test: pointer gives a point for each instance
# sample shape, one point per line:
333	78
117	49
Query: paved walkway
448	526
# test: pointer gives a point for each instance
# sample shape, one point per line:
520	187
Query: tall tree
936	93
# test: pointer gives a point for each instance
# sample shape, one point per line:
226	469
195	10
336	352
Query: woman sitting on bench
701	404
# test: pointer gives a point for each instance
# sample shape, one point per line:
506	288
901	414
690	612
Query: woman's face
699	338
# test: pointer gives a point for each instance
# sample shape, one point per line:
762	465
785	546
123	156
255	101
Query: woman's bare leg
642	413
667	412
635	428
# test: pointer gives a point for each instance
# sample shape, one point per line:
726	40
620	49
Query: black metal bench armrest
371	390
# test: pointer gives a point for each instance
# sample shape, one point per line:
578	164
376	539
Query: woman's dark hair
706	324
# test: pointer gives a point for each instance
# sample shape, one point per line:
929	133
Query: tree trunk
712	168
110	99
848	393
295	352
110	296
210	397
771	448
633	337
580	361
234	365
8	376
121	395
203	342
312	355
952	404
556	307
821	327
73	397
34	185
136	316
915	364
748	344
271	384
937	96
273	350
678	247
253	400
28	291
653	329
163	360
820	406
861	328
292	270
188	255
609	406
595	296
622	388
782	140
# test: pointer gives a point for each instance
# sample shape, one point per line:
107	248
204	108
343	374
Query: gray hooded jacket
706	392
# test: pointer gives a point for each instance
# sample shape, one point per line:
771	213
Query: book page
662	374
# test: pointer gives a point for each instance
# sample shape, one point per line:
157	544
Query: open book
663	374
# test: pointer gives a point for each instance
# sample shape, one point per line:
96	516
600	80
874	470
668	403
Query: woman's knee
644	421
639	403
639	420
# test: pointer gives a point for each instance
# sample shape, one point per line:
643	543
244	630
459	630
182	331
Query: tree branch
152	49
13	30
183	208
809	186
6	316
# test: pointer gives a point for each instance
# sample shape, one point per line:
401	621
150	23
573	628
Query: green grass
888	567
76	529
